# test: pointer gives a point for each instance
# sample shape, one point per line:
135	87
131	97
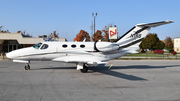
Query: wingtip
169	21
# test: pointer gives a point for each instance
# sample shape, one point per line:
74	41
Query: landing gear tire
27	67
85	69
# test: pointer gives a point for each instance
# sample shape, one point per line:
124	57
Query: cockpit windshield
44	46
37	45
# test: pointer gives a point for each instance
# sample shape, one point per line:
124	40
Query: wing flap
73	59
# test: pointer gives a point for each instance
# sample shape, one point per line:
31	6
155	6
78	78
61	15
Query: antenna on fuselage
84	40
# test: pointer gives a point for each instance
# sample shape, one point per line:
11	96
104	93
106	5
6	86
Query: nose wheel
27	67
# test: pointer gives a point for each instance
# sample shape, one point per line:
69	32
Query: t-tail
131	40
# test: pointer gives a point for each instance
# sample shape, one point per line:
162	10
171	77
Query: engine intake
105	46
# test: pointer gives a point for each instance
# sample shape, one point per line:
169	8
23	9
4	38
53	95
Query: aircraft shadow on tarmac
104	70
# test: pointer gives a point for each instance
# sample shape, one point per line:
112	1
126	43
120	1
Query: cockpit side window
45	46
37	45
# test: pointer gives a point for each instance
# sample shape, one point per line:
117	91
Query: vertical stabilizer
135	35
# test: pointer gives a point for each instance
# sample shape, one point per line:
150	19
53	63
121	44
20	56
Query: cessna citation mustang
84	54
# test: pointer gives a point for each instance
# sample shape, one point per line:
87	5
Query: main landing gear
27	67
85	69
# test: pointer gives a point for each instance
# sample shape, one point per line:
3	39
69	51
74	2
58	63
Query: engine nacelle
105	46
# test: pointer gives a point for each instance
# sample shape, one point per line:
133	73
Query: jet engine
105	46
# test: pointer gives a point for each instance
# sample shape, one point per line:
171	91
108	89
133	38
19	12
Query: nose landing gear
27	67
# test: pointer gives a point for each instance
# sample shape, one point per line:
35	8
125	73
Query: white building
13	41
177	45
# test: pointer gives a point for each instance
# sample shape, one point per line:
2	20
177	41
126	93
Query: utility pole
94	22
91	27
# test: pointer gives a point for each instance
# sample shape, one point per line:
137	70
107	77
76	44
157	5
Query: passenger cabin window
82	46
37	45
45	46
64	46
73	46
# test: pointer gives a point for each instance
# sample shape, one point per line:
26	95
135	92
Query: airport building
13	41
177	45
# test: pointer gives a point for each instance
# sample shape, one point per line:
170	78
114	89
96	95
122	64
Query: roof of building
177	38
23	39
23	35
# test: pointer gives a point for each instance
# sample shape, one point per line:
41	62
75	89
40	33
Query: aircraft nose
9	55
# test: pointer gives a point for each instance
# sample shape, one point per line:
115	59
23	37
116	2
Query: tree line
102	35
51	35
151	41
99	35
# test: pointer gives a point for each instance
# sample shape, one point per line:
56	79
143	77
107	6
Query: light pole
94	23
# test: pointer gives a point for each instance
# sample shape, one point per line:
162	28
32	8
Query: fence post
3	55
163	55
146	55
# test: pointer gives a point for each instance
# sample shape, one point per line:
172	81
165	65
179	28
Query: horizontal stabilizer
155	24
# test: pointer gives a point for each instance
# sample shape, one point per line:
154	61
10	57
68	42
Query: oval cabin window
64	46
73	46
82	46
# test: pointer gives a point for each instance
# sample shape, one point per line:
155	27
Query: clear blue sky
68	17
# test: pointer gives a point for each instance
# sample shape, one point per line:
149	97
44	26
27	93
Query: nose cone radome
10	55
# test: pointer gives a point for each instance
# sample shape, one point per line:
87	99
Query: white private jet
84	54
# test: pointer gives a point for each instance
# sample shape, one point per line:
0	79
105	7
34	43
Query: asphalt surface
127	80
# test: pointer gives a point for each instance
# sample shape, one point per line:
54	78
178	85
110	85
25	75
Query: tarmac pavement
127	80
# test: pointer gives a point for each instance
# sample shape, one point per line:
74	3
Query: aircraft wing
82	59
